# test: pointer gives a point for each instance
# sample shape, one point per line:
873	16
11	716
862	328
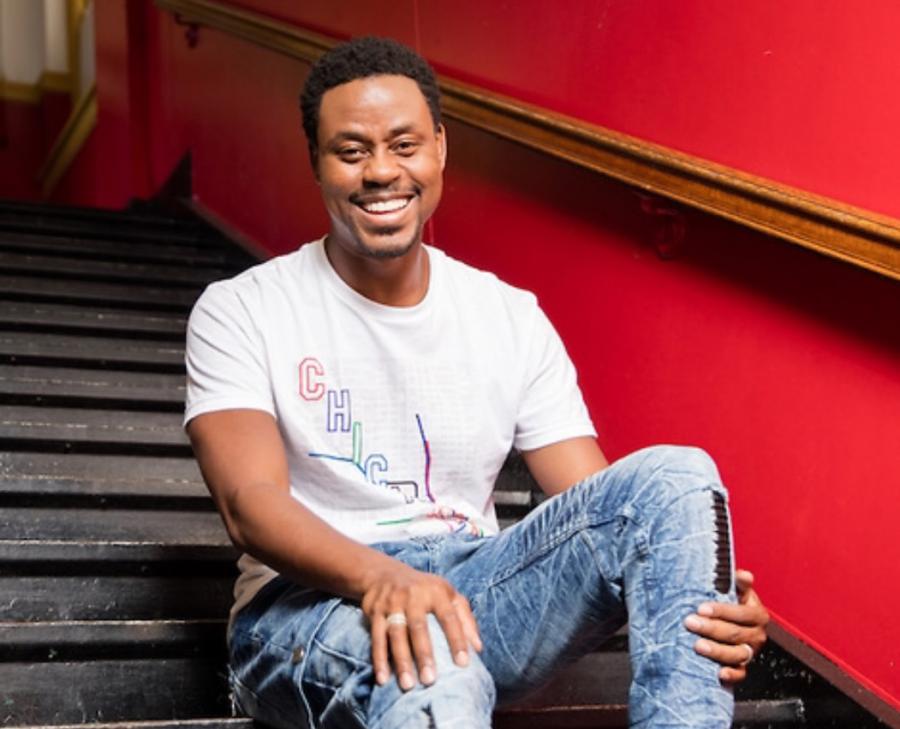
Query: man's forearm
268	523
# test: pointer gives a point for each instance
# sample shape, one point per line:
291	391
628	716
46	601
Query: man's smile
389	205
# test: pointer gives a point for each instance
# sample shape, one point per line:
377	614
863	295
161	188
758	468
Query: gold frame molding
858	236
74	134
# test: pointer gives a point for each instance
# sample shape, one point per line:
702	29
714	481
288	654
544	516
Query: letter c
310	387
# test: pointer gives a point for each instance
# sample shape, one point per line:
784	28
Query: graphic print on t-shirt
375	467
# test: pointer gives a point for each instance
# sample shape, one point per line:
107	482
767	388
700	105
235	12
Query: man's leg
650	536
300	659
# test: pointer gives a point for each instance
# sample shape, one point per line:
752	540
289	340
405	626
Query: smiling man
351	404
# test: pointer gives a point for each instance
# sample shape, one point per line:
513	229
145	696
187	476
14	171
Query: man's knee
462	696
672	472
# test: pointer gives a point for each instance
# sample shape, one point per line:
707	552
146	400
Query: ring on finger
400	619
750	654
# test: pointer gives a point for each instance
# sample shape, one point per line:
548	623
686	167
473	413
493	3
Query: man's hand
730	632
397	603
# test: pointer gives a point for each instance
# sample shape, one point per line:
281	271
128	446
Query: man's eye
351	154
405	148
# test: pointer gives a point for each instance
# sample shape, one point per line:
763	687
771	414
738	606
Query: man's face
379	164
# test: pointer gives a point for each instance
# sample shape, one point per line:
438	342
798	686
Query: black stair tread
24	424
97	551
50	317
67	692
85	633
110	250
58	383
113	524
107	216
768	712
113	271
72	350
212	723
23	222
146	592
50	474
134	296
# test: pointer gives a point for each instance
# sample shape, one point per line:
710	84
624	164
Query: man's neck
400	281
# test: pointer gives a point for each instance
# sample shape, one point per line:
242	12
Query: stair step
223	723
110	478
25	427
66	639
165	526
159	252
95	352
175	592
105	216
154	298
20	554
99	388
91	320
68	692
767	712
103	230
63	640
108	271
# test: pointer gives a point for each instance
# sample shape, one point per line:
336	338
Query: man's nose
381	168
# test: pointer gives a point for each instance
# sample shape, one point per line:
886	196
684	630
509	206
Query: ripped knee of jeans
724	568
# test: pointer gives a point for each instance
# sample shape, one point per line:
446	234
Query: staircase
115	571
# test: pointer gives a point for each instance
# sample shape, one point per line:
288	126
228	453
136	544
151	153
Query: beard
396	250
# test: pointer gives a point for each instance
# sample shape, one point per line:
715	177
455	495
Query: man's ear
442	145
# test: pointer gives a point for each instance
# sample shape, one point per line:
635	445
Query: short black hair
361	58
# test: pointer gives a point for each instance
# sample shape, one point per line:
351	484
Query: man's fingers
723	631
743	580
750	613
467	621
421	648
732	675
380	649
401	655
448	617
729	656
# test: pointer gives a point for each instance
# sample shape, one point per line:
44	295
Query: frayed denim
645	540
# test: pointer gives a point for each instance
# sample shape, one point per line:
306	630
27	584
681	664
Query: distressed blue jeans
645	540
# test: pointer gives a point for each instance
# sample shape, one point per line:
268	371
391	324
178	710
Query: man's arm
723	629
241	455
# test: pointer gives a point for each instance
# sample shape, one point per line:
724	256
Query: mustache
377	193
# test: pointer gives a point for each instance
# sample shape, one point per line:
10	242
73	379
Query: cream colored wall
87	65
56	41
21	41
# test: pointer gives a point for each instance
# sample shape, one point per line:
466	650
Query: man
350	405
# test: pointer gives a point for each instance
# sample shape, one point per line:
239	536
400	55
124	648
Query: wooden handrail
852	234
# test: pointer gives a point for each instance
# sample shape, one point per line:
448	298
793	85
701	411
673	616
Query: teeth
386	206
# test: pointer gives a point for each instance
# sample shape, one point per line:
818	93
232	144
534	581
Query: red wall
782	363
27	132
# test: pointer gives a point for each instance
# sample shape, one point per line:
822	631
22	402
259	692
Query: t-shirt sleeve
552	408
225	357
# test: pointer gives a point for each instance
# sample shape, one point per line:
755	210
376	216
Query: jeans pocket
264	682
337	677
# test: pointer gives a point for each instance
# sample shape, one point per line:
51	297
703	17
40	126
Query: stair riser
198	596
58	693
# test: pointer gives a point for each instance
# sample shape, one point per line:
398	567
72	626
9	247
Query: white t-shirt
395	420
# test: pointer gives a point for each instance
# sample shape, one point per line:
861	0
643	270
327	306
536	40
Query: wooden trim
49	82
852	234
74	134
23	93
56	82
